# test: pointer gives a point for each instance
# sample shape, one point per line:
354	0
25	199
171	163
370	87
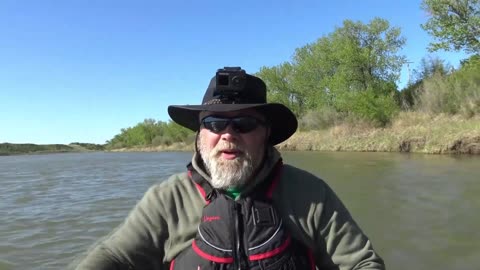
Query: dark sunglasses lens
215	124
239	124
244	124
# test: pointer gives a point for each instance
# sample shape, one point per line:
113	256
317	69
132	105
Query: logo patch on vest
210	218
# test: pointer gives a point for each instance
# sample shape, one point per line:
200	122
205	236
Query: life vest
244	234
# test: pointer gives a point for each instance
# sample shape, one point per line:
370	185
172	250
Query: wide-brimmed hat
252	95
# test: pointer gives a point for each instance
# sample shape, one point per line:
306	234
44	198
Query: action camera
230	82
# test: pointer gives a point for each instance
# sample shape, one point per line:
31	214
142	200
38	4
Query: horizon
81	72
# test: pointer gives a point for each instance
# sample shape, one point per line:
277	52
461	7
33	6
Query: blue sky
81	70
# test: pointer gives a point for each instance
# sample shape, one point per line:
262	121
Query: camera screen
222	79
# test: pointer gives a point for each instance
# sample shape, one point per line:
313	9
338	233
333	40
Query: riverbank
410	132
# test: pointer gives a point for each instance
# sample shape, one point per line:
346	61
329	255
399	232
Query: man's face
232	156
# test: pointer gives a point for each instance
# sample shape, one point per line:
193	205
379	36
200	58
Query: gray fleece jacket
164	222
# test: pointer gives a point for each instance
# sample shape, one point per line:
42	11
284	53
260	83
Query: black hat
230	90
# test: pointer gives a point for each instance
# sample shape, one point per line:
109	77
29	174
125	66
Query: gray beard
227	173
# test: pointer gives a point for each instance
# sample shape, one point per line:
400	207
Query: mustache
228	146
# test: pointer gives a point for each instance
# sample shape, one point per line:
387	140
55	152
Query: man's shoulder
172	181
173	187
294	178
301	174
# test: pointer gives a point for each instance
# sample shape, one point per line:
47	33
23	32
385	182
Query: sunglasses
240	124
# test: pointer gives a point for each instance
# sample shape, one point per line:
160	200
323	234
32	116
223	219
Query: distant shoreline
45	153
409	133
11	149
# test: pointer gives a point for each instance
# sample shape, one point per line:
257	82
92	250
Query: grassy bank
410	132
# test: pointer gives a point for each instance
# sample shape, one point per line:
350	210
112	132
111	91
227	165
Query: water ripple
416	209
55	206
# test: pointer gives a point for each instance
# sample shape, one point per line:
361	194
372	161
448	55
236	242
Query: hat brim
283	122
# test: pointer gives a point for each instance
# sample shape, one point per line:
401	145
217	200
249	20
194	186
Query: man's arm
317	217
136	244
341	238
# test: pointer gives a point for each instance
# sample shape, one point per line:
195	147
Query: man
238	206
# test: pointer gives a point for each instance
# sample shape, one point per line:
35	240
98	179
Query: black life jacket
243	234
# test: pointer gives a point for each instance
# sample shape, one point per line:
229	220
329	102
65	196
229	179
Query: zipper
239	262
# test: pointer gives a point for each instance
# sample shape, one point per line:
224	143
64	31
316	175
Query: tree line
151	133
350	75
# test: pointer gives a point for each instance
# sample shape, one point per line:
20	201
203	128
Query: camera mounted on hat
230	83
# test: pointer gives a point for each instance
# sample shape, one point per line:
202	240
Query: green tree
176	132
355	58
150	133
281	87
454	23
151	129
429	67
142	134
455	93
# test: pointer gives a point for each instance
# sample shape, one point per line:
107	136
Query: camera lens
236	80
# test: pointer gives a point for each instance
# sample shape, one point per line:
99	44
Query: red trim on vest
200	189
210	257
172	263
311	259
276	179
271	253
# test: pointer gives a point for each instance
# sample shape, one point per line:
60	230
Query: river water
420	211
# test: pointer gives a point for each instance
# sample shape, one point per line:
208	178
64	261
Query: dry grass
409	132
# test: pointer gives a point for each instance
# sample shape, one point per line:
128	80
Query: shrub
378	109
458	93
162	140
321	118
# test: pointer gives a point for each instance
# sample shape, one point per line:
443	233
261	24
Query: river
420	211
